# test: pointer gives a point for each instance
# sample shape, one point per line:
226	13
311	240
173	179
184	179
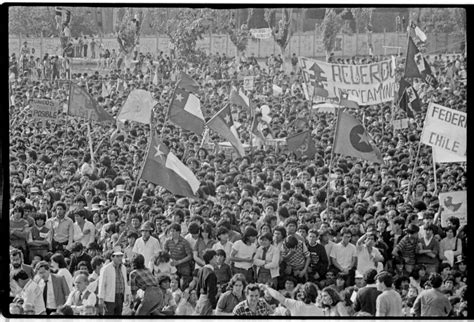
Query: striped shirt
407	248
178	250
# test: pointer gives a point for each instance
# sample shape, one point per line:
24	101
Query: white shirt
364	261
191	240
343	254
79	236
148	249
50	300
32	293
299	308
244	251
67	276
73	300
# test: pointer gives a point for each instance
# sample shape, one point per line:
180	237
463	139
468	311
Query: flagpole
434	170
338	115
414	167
91	148
250	135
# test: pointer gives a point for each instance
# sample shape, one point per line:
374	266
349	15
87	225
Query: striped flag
163	168
185	111
223	124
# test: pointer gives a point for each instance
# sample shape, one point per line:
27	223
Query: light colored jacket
107	282
273	255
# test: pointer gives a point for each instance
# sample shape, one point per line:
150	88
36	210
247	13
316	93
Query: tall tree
184	27
331	26
239	35
281	30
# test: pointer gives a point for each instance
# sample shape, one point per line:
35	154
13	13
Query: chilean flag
163	168
185	111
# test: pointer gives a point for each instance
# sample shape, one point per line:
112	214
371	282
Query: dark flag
417	66
408	99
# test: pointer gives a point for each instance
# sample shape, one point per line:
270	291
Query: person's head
265	239
369	276
21	278
220	256
310	292
164	281
250	235
279	234
60	208
435	280
58	261
117	257
81	281
16	258
209	257
42	270
175	230
237	284
329	297
146	230
77	248
384	280
138	261
252	292
346	235
96	263
65	310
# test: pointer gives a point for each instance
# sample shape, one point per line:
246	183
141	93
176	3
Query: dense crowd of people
269	234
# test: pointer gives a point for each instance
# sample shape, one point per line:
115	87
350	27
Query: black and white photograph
243	160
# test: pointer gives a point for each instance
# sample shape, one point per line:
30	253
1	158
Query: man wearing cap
147	245
113	287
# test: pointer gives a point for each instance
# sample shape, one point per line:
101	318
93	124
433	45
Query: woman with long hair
332	303
205	241
233	296
243	252
59	263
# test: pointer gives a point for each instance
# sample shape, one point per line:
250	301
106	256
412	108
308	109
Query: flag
155	78
353	140
417	66
408	99
346	102
185	111
163	168
138	107
106	90
254	128
63	14
302	144
187	83
313	77
223	124
82	104
418	32
453	203
239	99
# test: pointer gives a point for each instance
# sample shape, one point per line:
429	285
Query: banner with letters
365	84
445	129
262	33
44	108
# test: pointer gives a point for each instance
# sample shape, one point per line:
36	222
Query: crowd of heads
269	197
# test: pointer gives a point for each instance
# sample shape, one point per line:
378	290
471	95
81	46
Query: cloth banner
453	203
44	108
400	124
262	33
446	129
249	83
367	84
